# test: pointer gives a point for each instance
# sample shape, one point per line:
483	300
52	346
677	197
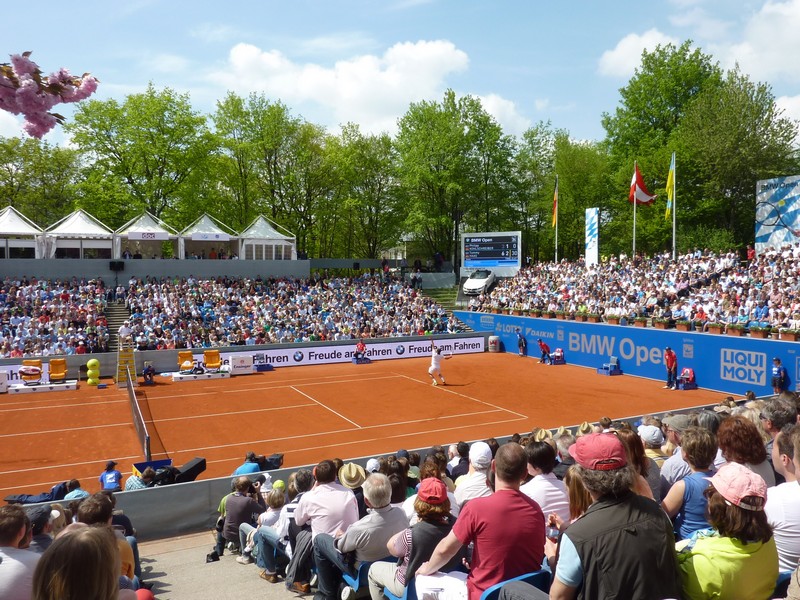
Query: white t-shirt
550	494
783	513
436	360
471	486
16	573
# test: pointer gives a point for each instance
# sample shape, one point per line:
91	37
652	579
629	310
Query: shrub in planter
760	332
683	325
640	322
593	318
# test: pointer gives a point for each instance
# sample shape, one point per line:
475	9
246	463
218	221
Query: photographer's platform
197	376
21	388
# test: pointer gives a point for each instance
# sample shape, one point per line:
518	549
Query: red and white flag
639	192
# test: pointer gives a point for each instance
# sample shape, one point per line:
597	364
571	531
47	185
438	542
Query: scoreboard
494	249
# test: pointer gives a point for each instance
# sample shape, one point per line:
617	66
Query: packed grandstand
65	317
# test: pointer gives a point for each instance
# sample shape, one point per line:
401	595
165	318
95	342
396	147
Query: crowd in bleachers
66	317
710	498
701	287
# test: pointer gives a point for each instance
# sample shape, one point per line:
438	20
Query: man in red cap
621	529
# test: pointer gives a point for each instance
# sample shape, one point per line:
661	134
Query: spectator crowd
66	317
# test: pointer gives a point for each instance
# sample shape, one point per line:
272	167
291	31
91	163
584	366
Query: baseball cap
651	434
480	455
599	452
679	423
373	466
736	483
111	464
402	454
352	475
432	490
39	516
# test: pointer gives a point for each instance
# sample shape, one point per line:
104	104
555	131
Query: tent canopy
14	223
80	225
204	231
144	235
262	241
263	229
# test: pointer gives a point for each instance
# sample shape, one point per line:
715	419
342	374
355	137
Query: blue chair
782	584
361	578
538	579
409	593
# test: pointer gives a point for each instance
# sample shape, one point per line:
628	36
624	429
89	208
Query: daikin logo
743	366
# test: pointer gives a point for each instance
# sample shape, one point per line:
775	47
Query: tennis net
138	420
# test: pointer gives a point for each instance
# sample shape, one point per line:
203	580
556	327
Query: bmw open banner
777	212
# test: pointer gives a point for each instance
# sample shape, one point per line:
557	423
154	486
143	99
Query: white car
479	282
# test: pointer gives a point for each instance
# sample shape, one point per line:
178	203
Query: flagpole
674	207
556	248
634	215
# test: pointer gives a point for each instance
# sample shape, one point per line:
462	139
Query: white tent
144	236
18	235
262	241
206	238
78	235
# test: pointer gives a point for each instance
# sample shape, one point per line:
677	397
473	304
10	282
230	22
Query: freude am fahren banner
323	353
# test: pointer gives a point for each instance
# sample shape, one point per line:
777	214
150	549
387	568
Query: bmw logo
298	356
400	350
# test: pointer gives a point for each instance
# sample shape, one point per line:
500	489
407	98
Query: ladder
125	361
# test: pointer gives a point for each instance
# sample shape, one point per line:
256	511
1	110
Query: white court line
60	406
368	440
336	431
326	407
357	380
49	431
444	388
126	423
97	461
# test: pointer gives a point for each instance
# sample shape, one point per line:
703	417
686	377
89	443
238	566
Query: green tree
731	136
38	179
152	143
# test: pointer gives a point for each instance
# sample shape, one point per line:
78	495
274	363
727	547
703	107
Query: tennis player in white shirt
435	370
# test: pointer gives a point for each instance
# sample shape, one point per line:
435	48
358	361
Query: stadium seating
57	370
538	579
212	361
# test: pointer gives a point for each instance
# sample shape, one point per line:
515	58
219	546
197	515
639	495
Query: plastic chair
538	579
57	369
212	360
409	593
183	356
31	371
612	364
782	584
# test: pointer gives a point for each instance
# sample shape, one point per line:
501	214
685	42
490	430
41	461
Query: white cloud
213	32
368	89
701	23
10	125
790	106
506	114
168	63
627	54
332	45
771	45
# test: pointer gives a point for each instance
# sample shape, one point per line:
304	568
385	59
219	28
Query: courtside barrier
725	363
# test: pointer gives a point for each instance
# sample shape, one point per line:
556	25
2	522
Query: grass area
444	296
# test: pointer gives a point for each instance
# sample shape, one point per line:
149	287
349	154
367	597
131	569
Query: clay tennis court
309	413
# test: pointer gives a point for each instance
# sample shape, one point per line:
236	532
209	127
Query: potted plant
517	310
580	316
716	328
561	315
613	319
735	329
683	325
640	322
790	335
760	332
661	323
592	317
535	312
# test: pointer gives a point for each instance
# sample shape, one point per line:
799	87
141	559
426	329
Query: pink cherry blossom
24	91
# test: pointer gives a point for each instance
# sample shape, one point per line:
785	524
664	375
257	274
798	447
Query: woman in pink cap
738	557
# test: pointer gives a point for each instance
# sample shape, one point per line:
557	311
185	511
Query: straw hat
352	475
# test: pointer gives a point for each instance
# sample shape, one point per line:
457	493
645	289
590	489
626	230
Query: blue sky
365	61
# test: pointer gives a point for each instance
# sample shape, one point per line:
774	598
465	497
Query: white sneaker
347	593
666	387
434	382
443	382
245	560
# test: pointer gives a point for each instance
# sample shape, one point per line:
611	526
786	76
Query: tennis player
436	364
